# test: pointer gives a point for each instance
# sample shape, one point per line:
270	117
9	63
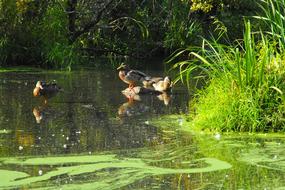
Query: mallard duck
47	90
162	85
131	76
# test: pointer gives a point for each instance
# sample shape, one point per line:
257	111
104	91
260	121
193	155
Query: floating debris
180	121
40	172
218	136
21	148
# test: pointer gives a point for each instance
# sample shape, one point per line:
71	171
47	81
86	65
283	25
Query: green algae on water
125	171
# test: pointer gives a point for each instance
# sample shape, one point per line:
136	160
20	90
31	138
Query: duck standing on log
130	76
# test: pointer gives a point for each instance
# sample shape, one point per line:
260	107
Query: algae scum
92	137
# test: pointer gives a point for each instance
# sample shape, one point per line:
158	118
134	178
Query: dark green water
91	137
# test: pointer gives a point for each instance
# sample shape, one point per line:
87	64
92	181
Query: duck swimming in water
163	85
130	76
46	90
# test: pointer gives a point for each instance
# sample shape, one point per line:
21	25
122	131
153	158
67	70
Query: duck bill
121	66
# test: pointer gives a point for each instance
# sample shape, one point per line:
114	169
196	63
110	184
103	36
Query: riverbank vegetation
245	79
235	47
64	33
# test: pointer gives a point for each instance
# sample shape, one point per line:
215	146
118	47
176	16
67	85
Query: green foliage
56	49
182	33
273	17
58	33
203	5
3	49
245	89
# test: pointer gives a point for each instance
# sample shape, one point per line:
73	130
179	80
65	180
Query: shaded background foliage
61	33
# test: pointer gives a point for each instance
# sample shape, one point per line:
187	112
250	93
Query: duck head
167	82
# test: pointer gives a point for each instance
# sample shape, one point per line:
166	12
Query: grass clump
221	107
245	84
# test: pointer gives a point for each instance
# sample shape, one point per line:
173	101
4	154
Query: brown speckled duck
163	85
149	83
130	76
46	90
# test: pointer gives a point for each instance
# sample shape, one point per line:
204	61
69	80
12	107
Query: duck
46	90
130	76
163	85
150	81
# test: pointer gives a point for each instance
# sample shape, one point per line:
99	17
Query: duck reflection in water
46	90
45	113
134	105
39	113
165	97
134	94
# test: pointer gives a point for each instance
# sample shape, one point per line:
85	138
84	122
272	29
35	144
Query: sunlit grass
273	17
244	85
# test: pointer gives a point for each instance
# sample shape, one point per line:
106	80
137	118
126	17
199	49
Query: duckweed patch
121	172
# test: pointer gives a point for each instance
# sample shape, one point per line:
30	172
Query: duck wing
135	75
49	89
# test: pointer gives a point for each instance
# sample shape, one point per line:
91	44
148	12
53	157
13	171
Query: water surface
92	137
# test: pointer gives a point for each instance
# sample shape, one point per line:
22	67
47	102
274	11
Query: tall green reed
273	17
244	62
244	83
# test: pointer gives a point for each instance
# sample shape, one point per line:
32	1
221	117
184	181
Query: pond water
90	136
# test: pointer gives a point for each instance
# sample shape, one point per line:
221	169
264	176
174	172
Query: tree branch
91	24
